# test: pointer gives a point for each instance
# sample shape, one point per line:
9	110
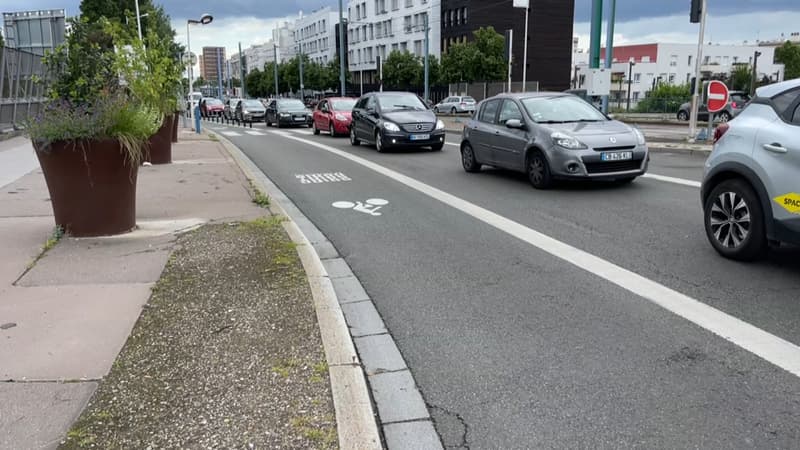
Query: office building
315	35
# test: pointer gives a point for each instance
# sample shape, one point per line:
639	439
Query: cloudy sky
638	21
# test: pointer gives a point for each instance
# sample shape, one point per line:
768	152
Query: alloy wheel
536	170
730	220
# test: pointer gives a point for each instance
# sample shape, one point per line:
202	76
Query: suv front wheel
734	221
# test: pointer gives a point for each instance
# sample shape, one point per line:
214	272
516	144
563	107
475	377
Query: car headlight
439	125
639	136
283	114
389	126
567	141
340	117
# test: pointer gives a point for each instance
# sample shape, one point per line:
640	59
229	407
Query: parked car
288	112
395	119
455	105
211	106
333	115
229	109
249	110
737	102
750	192
549	136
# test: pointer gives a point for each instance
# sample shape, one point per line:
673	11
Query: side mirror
515	123
612	116
372	112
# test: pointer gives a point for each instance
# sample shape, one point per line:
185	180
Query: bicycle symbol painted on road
370	206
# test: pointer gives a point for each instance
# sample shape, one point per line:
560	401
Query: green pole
596	29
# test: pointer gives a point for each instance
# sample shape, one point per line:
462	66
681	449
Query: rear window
469	100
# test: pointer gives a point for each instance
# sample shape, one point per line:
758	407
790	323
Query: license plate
420	137
616	156
299	119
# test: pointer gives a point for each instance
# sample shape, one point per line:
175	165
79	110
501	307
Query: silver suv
455	105
751	183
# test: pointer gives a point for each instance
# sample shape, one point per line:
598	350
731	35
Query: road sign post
717	95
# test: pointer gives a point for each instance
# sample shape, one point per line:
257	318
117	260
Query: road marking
681	181
254	133
328	177
300	130
230	133
370	206
454	145
769	347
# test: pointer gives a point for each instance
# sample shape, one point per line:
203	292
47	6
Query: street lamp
138	21
630	80
205	19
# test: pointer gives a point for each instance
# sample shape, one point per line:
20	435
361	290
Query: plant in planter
90	136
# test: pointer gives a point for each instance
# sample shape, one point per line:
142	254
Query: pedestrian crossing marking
254	133
230	133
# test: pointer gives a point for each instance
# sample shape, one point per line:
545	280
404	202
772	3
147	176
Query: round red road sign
717	96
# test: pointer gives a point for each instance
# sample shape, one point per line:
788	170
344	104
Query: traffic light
696	11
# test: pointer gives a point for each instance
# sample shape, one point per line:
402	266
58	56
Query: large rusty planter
175	119
160	144
92	186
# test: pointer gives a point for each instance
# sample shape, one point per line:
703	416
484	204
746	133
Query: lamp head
206	19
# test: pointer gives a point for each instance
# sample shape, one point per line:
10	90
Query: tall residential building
378	27
254	57
34	31
209	64
315	35
550	38
284	37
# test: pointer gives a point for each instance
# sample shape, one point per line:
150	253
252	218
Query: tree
459	62
491	45
789	55
434	72
199	82
741	76
665	98
401	69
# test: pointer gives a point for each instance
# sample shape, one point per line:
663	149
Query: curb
356	423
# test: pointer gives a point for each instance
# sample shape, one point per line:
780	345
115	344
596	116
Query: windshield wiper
584	120
551	121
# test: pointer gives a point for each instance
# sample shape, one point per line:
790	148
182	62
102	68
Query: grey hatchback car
549	136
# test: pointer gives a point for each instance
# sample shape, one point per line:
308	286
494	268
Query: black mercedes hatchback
395	119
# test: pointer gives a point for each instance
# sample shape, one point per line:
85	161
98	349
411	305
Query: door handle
497	132
775	148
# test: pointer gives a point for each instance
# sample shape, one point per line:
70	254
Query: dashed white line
230	133
254	133
681	181
769	347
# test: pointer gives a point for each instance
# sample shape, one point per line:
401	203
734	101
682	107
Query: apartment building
315	35
283	36
378	27
212	64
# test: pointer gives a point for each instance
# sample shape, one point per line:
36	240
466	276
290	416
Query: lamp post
755	73
205	19
630	81
138	22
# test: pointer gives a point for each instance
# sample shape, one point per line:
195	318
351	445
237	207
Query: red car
211	106
333	115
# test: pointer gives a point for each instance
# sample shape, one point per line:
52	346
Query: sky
638	21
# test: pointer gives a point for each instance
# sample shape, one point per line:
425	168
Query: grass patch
213	137
80	437
326	436
259	198
285	367
51	242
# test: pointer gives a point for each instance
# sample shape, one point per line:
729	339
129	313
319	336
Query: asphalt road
515	347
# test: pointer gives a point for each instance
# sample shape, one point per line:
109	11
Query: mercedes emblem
419	126
613	140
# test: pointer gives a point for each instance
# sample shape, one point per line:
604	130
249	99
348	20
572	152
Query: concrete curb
355	417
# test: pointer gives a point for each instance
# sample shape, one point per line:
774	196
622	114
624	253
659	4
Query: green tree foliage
434	71
789	55
199	82
741	76
665	98
482	59
401	70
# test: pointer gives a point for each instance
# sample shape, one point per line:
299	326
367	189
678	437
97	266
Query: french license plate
299	119
420	137
616	156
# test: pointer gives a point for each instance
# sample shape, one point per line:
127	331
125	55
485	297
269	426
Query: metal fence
20	95
480	91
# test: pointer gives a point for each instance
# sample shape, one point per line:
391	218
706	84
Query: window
689	61
706	59
796	116
672	78
395	5
409	3
489	111
464	14
509	111
407	24
735	59
673	60
637	78
458	17
404	46
418	48
371	32
358	12
781	102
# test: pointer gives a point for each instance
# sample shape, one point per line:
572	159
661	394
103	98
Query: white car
751	184
456	105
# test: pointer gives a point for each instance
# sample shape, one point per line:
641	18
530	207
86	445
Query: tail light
733	104
720	131
463	104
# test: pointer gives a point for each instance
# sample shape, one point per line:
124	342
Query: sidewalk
65	317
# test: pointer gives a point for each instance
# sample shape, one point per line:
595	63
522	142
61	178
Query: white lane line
454	145
769	347
300	131
681	181
254	133
230	133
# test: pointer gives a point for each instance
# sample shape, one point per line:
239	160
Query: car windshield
343	105
252	104
291	104
213	101
396	102
561	109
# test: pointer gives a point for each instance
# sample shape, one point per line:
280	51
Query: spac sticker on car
790	202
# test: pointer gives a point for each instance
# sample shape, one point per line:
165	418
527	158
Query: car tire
314	128
538	170
683	115
453	111
468	160
724	116
267	121
278	123
379	142
733	202
354	141
331	130
437	147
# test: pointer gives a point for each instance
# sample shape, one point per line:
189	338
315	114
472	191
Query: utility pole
275	66
138	20
596	29
630	81
302	86
525	50
342	37
230	83
219	75
753	78
427	29
610	48
241	71
697	64
510	51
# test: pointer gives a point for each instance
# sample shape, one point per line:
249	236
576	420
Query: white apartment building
378	27
284	37
315	35
650	64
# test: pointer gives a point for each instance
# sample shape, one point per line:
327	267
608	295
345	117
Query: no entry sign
717	96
